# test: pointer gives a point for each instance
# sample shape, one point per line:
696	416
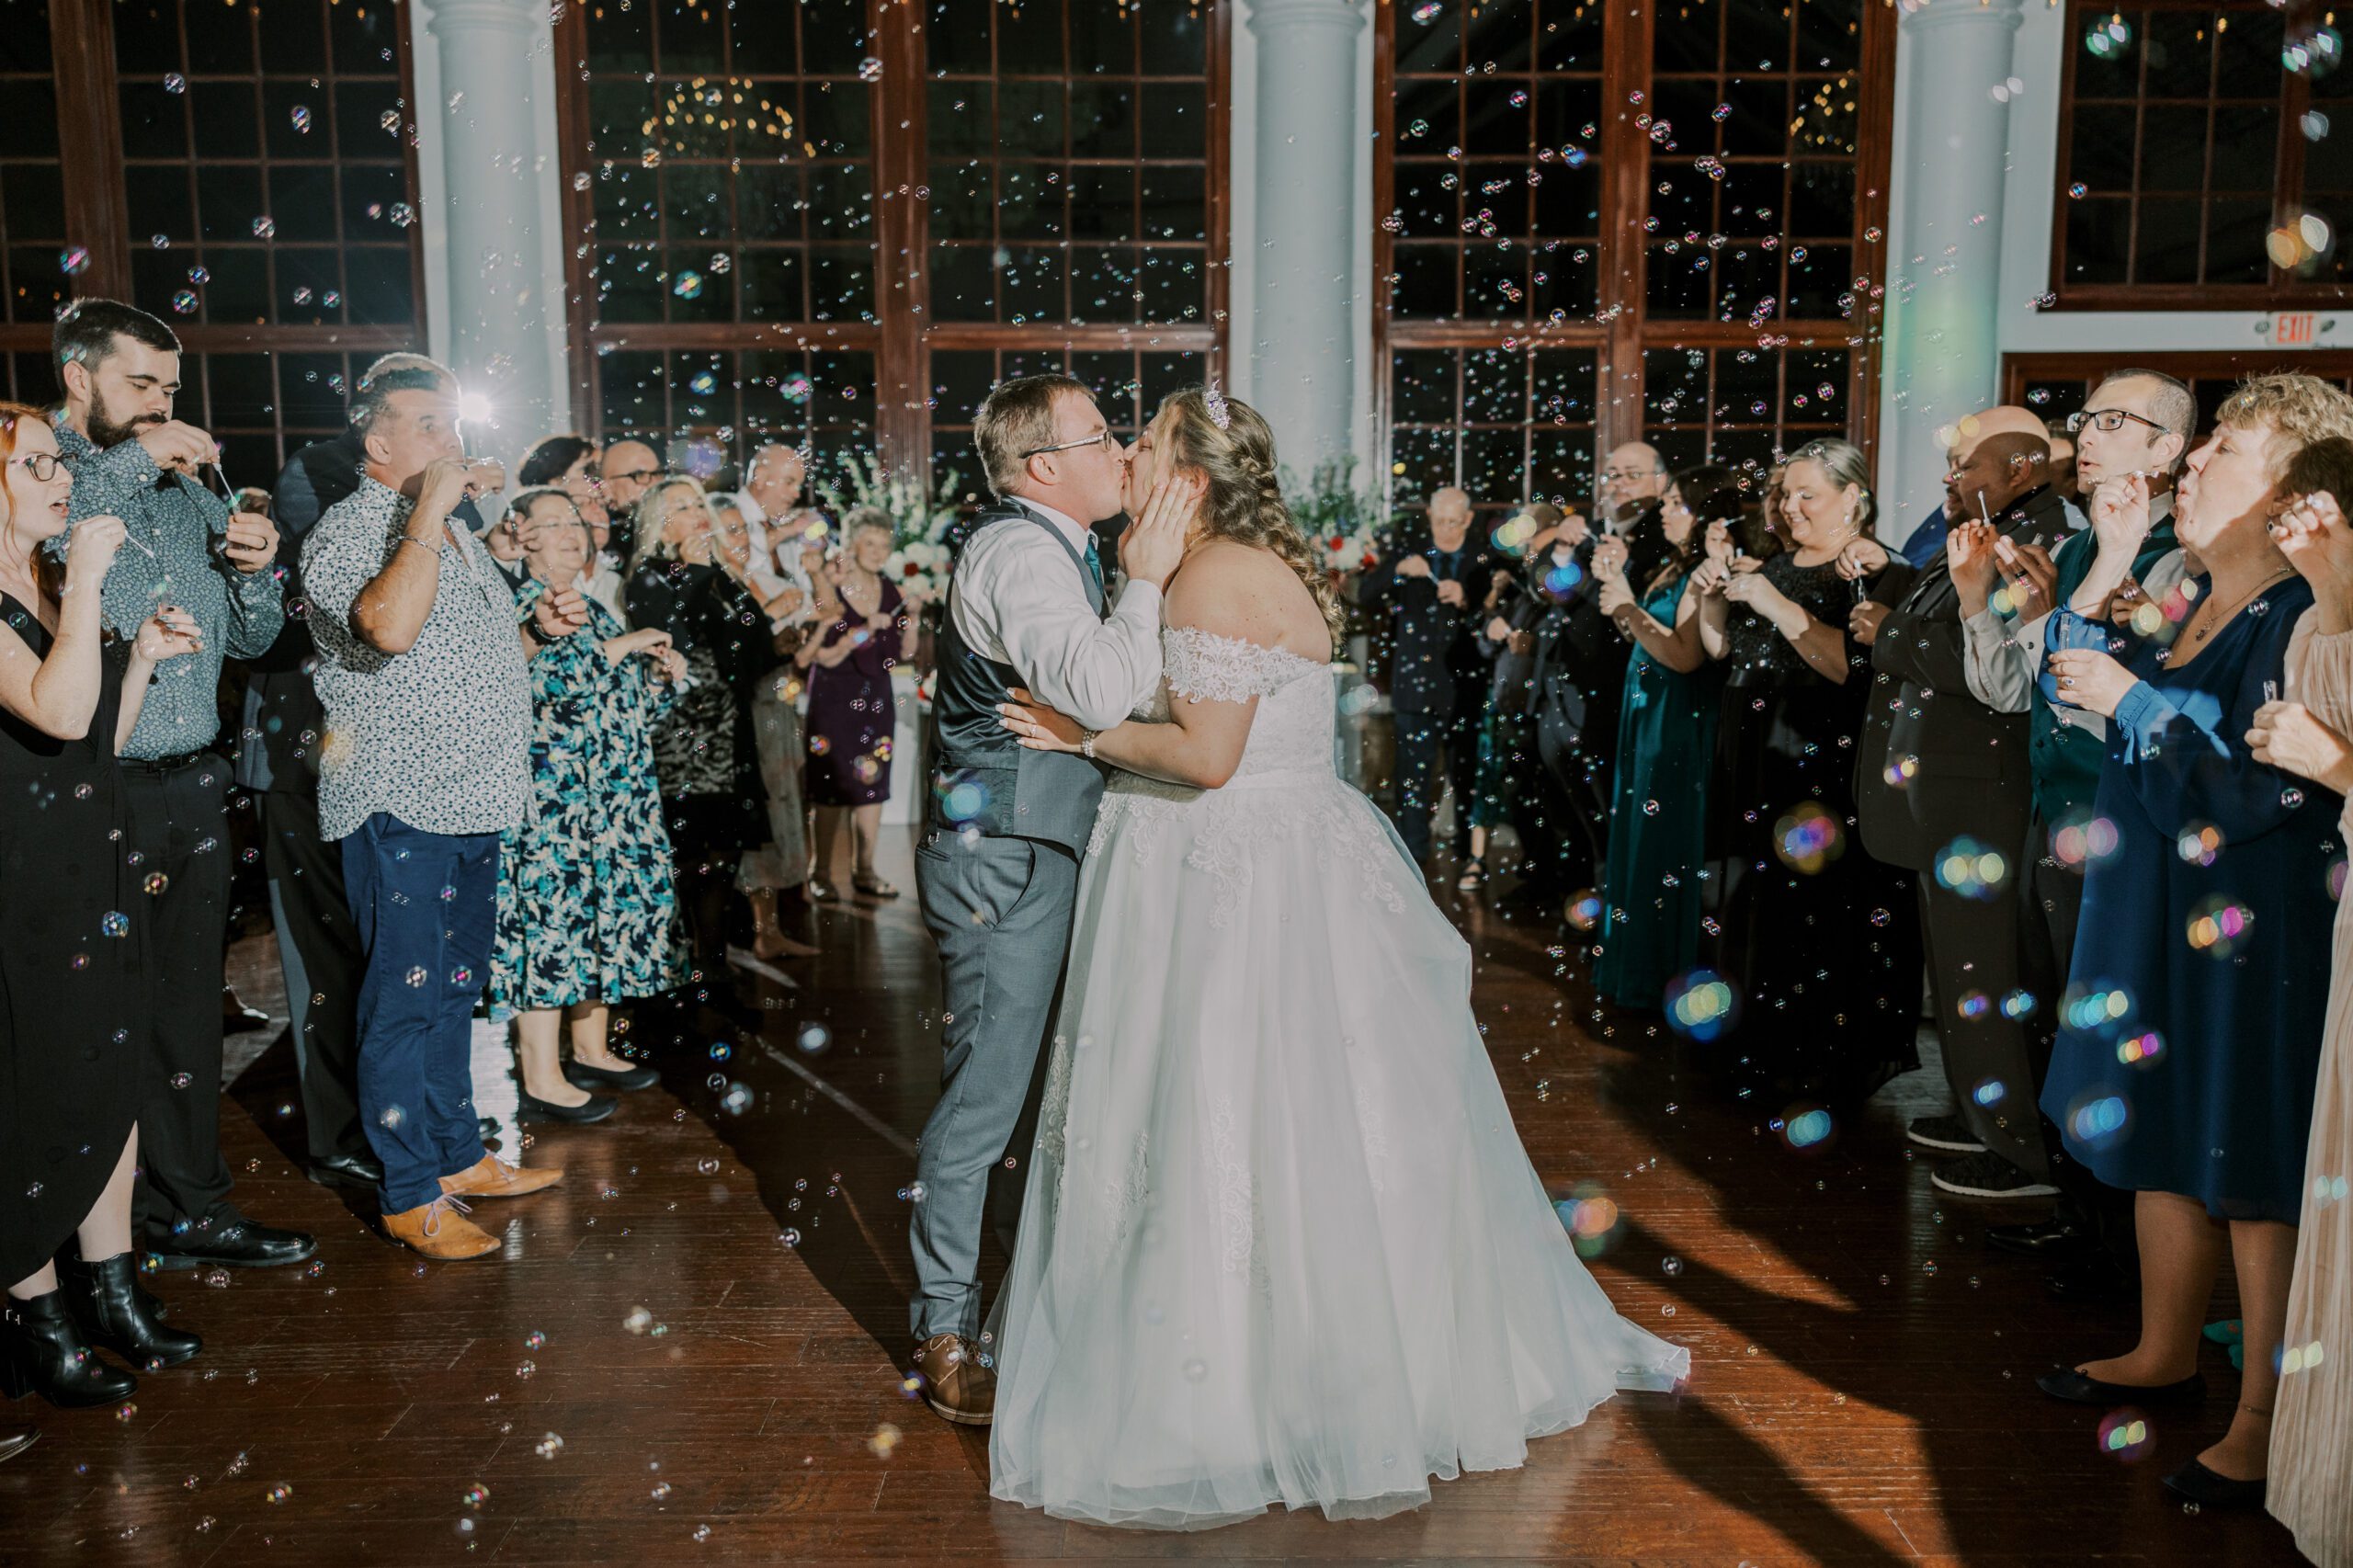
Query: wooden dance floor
652	1374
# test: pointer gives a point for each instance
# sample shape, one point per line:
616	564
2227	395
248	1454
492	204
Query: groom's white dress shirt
1016	599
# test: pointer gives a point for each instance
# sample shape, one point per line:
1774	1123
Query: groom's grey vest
980	776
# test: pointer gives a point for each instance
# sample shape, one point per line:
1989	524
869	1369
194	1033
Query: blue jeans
427	909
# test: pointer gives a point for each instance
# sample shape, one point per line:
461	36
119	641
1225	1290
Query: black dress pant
1973	953
2053	904
179	833
319	950
1426	743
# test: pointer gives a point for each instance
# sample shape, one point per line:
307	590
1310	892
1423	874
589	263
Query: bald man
1633	476
1425	593
1937	766
626	472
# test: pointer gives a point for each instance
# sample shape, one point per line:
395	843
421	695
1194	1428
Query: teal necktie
1095	563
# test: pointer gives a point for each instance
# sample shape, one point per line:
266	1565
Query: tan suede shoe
491	1177
955	1383
440	1228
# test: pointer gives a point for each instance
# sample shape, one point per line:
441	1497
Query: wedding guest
1942	781
570	462
2309	737
120	369
762	532
1633	476
1507	790
587	913
703	750
318	946
70	1005
503	541
1561	675
2135	422
2186	1066
1839	1023
852	709
1424	595
625	472
1652	885
423	668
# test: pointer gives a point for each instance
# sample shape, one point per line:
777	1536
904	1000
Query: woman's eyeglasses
1103	439
42	466
2110	420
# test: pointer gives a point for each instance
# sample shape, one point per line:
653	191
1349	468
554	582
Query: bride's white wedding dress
1280	1242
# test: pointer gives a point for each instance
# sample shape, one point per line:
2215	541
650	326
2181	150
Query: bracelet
1086	739
412	539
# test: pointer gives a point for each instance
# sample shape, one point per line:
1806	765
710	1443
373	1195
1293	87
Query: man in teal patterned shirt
120	369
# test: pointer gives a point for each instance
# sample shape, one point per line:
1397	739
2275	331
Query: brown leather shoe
955	1383
440	1228
491	1177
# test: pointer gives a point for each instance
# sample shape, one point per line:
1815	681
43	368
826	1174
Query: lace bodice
1292	729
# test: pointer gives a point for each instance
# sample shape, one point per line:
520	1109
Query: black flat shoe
2203	1486
110	1310
361	1172
532	1109
14	1440
2077	1389
580	1075
45	1354
239	1245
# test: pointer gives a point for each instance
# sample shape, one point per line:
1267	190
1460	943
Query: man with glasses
185	547
626	472
1633	477
998	868
2136	423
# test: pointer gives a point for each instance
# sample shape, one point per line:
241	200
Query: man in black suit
1427	594
1943	788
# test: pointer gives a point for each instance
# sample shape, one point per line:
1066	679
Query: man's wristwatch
1086	739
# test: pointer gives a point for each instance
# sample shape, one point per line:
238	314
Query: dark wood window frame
901	333
1623	331
90	146
2023	373
2282	290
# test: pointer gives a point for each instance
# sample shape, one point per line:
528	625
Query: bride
1280	1243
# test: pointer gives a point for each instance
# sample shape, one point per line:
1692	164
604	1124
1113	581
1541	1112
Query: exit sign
2298	329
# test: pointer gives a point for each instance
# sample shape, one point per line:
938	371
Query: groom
997	870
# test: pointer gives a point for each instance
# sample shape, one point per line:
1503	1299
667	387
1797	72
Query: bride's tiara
1215	400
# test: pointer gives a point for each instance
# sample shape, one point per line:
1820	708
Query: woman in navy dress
2192	1022
1651	890
851	712
587	915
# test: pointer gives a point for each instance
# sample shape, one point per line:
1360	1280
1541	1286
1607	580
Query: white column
500	308
1943	356
1303	280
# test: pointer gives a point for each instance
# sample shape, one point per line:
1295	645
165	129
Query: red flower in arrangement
911	570
1339	541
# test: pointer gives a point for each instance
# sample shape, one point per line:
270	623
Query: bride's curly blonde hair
1245	502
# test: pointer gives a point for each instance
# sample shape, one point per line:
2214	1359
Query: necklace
2206	628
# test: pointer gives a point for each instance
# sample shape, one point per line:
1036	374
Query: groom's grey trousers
1000	909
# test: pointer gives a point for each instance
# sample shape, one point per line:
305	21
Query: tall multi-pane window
266	170
2206	152
1599	225
35	263
835	224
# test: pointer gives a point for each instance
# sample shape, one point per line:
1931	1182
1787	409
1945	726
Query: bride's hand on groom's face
1037	726
1155	543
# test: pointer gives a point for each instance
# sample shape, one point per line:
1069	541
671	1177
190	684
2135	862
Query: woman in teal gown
1667	734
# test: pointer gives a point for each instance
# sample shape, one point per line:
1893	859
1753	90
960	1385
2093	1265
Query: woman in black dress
69	940
852	711
1818	948
704	751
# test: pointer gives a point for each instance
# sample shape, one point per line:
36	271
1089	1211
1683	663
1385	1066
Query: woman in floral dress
586	913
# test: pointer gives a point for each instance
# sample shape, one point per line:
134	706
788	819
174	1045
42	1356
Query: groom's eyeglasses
1103	439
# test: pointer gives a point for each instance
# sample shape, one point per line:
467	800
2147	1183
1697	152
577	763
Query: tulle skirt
1280	1241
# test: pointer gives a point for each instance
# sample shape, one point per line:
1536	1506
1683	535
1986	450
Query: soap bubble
416	976
183	302
1701	1005
176	84
301	117
114	924
264	228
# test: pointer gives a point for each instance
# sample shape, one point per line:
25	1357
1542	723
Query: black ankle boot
112	1310
45	1354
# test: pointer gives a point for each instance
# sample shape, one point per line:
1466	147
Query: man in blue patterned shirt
120	369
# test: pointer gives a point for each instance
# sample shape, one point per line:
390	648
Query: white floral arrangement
920	514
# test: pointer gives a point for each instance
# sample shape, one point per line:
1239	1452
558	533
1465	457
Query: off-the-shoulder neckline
1245	645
